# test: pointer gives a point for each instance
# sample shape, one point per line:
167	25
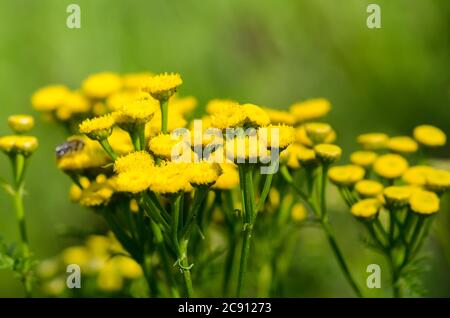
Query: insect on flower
70	146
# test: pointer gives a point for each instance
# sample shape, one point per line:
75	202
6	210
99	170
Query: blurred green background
262	51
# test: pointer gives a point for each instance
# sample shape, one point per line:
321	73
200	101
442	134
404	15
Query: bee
69	147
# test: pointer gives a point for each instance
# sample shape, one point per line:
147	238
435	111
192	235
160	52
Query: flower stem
107	147
164	104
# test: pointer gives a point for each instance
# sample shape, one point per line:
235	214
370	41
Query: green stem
265	192
246	176
107	147
164	104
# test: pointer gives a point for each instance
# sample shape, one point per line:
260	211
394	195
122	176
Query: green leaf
6	262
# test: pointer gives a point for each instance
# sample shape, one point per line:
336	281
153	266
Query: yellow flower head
183	105
318	132
246	148
24	145
302	137
229	117
277	116
203	173
397	195
390	166
98	128
311	109
101	85
127	267
121	98
277	136
417	175
21	123
98	193
134	81
306	156
139	160
162	86
229	179
429	136
49	98
402	145
216	106
136	112
438	180
424	202
373	141
170	178
109	278
366	209
134	181
256	116
76	255
298	213
346	175
368	188
363	158
120	141
166	145
328	153
289	156
74	103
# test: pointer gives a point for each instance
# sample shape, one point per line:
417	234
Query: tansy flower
127	267
139	160
25	145
245	149
230	116
134	181
256	116
327	152
429	136
417	175
98	193
49	98
101	85
302	137
306	156
368	188
311	109
298	212
366	208
397	195
438	180
203	173
166	145
318	132
215	106
170	178
74	103
184	105
373	141
290	156
109	278
76	255
390	166
136	112
162	86
119	99
134	81
363	158
98	128
280	116
21	123
229	179
277	136
91	156
120	141
346	175
424	202
402	145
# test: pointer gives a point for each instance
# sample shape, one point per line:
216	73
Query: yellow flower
229	179
134	81
284	136
127	267
438	180
318	132
290	155
98	128
49	98
402	145
229	117
302	137
98	244
417	175
120	141
76	255
183	105
203	173
256	116
390	166
246	148
363	158
109	278
311	109
170	178
216	106
373	141
424	202
368	188
91	156
101	85
327	152
298	212
139	160
346	175
98	193
162	86
366	208
73	103
166	145
175	120
20	123
429	136
280	116
397	195
25	145
306	156
136	112
134	181
119	99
